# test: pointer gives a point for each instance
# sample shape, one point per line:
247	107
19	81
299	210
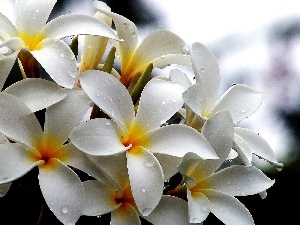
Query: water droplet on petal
62	55
163	102
202	70
196	220
65	209
144	189
149	163
107	123
204	208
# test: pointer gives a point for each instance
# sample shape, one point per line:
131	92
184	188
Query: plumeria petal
207	71
158	43
14	154
146	179
243	150
8	30
219	132
26	129
32	15
193	168
15	44
75	24
126	30
239	180
228	209
159	101
62	117
62	191
199	206
240	100
125	215
36	93
170	210
166	60
99	198
258	145
4	188
194	98
110	95
81	161
177	140
98	137
6	64
169	164
62	67
114	165
180	77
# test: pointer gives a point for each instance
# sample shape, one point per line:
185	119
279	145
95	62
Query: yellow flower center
126	198
47	148
32	41
135	138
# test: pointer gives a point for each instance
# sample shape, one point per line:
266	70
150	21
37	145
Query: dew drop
196	220
37	11
144	189
243	111
163	102
204	208
107	123
202	70
65	209
149	163
62	55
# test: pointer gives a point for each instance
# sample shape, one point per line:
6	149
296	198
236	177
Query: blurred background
256	43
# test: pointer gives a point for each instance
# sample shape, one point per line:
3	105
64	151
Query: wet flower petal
66	205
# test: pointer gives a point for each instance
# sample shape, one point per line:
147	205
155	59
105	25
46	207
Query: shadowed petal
62	191
12	155
62	67
146	179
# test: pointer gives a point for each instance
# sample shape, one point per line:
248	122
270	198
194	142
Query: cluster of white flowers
129	131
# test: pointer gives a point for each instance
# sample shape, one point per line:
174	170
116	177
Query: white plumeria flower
138	135
102	198
42	39
160	47
210	191
46	149
240	100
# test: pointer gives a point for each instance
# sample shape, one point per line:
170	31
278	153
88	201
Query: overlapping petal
126	30
228	209
110	95
32	15
258	145
62	67
26	129
243	150
14	154
127	215
6	64
199	206
177	140
98	137
62	117
66	207
195	98
170	210
36	93
146	179
75	24
240	100
159	101
7	28
99	198
207	71
4	188
150	48
238	180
